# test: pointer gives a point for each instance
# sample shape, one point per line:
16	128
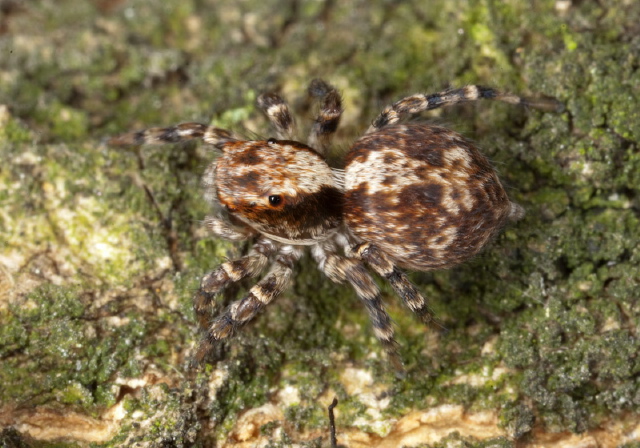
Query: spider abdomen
424	195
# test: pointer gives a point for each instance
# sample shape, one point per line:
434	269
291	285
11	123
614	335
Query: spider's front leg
260	295
174	134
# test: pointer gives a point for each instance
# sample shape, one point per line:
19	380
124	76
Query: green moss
61	358
11	131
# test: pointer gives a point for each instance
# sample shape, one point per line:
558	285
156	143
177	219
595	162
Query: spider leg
259	296
340	269
326	122
174	134
421	102
230	272
385	268
278	113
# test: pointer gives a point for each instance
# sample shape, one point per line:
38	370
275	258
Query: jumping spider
413	196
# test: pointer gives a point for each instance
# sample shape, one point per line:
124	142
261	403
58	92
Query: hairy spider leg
384	267
340	269
229	272
277	111
175	134
328	118
260	295
421	102
222	228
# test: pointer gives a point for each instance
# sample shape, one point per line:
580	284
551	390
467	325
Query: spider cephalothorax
281	188
412	195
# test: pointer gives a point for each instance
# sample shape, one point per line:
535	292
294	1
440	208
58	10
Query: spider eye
271	141
275	200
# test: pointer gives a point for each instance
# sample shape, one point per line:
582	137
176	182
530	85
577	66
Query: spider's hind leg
385	268
421	102
340	269
328	118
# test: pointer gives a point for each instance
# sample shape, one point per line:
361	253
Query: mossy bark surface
101	248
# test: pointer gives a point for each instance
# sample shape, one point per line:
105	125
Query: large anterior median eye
275	200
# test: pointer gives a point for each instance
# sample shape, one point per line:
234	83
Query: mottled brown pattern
250	158
415	223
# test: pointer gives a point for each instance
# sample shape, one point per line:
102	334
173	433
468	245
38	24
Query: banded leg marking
260	295
385	268
340	269
230	272
278	113
421	102
174	134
